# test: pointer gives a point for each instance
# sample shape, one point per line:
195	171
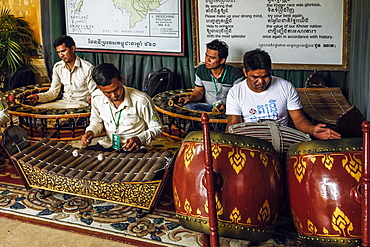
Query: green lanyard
119	117
214	83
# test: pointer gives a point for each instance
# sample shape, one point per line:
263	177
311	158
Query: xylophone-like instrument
62	120
132	179
177	120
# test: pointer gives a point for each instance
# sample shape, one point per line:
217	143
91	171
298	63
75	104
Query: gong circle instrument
248	185
177	119
323	179
55	121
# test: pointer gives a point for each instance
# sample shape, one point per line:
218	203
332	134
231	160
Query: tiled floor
18	234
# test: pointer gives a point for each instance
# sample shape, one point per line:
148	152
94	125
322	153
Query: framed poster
298	34
120	26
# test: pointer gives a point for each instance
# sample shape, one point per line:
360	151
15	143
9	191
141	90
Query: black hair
257	59
104	73
67	40
220	46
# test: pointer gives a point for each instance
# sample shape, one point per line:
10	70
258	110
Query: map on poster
137	26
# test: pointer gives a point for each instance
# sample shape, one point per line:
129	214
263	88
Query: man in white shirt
262	96
128	115
72	72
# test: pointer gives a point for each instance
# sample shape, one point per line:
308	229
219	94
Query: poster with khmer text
135	26
298	34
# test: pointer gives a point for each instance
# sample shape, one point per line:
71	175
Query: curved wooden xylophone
126	178
177	119
55	123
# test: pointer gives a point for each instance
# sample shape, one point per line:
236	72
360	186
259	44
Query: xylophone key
159	164
74	163
116	166
53	165
51	154
98	169
31	148
130	165
38	152
145	168
135	169
62	163
83	169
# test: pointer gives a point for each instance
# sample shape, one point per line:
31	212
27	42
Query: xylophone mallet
76	152
101	156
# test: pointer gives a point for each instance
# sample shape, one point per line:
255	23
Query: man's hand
132	144
89	99
86	138
221	107
321	132
183	101
32	99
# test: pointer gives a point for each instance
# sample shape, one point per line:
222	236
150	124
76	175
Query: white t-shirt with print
273	103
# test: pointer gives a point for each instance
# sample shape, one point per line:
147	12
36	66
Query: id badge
116	141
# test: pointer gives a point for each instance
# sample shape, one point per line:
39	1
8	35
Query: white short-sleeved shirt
273	103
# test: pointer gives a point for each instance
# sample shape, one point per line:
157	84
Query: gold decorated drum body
323	177
247	183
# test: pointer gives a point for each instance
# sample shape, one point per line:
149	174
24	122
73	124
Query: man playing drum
128	115
263	96
72	72
213	80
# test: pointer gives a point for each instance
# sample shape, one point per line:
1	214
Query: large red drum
247	182
323	184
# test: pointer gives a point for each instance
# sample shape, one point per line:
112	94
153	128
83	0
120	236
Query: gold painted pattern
264	159
216	150
354	166
237	155
128	193
187	207
341	223
311	227
350	162
264	213
299	168
199	212
328	161
189	154
176	199
219	208
298	224
235	216
237	159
